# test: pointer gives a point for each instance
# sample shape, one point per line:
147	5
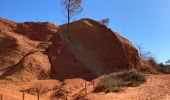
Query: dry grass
116	81
156	70
163	70
147	70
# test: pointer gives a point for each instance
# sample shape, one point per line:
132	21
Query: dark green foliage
114	82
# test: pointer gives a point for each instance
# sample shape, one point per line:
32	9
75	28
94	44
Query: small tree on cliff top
71	8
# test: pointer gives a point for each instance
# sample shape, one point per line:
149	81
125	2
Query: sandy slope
157	87
9	94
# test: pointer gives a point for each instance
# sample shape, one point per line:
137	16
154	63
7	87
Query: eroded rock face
16	60
34	66
7	25
65	65
13	47
41	31
90	49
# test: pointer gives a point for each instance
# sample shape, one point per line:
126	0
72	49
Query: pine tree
71	8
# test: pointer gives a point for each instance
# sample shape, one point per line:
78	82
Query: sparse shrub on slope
163	70
145	70
158	69
148	70
114	82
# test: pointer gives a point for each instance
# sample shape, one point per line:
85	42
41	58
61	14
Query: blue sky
145	22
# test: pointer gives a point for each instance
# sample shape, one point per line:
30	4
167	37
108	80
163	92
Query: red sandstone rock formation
21	58
41	31
90	48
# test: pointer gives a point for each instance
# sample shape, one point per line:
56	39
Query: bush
163	70
145	70
116	81
158	69
148	70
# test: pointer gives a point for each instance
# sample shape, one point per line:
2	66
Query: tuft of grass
116	81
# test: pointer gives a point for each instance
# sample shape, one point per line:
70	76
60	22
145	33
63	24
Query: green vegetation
116	81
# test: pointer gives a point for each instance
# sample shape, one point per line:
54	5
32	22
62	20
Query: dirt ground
157	87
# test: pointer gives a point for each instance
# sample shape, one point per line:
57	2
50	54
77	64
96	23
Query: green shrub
116	81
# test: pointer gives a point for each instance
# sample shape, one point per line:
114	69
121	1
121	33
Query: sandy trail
10	94
157	87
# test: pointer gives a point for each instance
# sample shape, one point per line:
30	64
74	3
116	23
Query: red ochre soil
40	56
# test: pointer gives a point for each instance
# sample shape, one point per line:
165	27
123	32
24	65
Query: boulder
88	49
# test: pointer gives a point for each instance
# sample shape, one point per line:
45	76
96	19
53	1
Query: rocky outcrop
41	31
33	66
13	48
90	49
16	60
7	25
87	50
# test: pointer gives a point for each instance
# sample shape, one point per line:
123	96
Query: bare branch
145	55
71	8
104	21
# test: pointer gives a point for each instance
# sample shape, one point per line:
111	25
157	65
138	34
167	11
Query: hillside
53	62
87	51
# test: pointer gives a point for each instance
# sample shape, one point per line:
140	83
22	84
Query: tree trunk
68	10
